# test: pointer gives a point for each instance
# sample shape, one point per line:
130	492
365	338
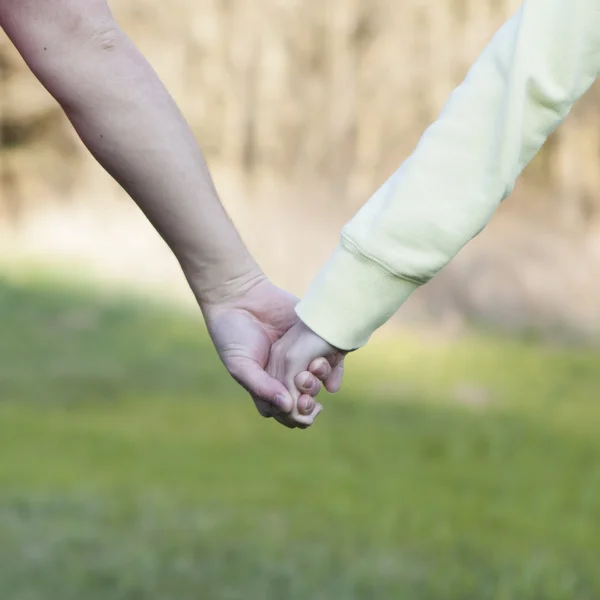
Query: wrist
216	285
317	338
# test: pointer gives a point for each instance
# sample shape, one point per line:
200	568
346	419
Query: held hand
244	326
297	354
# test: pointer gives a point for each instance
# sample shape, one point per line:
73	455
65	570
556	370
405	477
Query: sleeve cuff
351	297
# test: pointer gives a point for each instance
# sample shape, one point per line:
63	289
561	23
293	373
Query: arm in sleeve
515	95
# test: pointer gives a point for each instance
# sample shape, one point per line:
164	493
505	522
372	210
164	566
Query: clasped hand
272	354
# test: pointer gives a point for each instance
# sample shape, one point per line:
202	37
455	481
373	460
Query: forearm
129	122
515	95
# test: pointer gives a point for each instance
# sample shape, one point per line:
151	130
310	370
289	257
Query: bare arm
130	123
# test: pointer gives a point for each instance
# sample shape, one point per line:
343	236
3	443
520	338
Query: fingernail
309	406
308	382
282	403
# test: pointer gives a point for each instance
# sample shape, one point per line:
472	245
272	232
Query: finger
336	358
263	386
284	420
305	405
297	420
307	420
333	383
264	408
320	368
307	383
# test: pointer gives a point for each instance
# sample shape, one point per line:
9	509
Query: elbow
57	39
55	27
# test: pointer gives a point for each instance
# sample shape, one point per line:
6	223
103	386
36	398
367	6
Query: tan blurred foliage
308	105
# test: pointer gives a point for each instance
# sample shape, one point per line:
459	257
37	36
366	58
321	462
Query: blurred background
461	460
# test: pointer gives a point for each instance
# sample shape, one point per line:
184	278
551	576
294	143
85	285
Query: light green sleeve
466	163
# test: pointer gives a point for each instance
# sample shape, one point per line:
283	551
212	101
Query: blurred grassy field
133	468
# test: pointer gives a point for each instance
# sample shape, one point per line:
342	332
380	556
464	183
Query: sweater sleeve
514	96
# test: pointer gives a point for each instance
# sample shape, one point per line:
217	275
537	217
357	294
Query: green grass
133	468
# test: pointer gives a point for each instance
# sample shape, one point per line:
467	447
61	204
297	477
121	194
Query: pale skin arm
130	123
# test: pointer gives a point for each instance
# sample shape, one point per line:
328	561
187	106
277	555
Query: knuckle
293	358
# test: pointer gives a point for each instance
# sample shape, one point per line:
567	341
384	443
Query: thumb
264	387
